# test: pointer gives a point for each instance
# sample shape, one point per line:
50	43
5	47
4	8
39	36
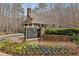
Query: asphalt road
10	35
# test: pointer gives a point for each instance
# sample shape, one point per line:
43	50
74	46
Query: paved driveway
4	54
13	37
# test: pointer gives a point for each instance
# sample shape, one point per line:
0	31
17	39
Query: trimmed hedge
62	31
72	32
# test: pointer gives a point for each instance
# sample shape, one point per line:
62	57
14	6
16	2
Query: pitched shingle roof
35	18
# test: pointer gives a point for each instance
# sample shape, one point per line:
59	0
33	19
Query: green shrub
62	31
75	38
73	32
5	43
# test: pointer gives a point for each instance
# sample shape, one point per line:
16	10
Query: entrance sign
31	32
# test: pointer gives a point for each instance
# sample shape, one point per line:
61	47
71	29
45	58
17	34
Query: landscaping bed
59	42
32	48
62	34
57	38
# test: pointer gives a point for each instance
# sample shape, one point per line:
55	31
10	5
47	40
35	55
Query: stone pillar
25	34
32	25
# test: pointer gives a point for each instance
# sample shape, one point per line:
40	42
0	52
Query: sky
29	5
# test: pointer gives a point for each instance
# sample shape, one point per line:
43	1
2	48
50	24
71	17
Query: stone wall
57	38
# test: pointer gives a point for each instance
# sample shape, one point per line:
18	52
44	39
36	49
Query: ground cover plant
28	49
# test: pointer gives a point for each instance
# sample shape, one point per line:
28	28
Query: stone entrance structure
32	32
33	25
